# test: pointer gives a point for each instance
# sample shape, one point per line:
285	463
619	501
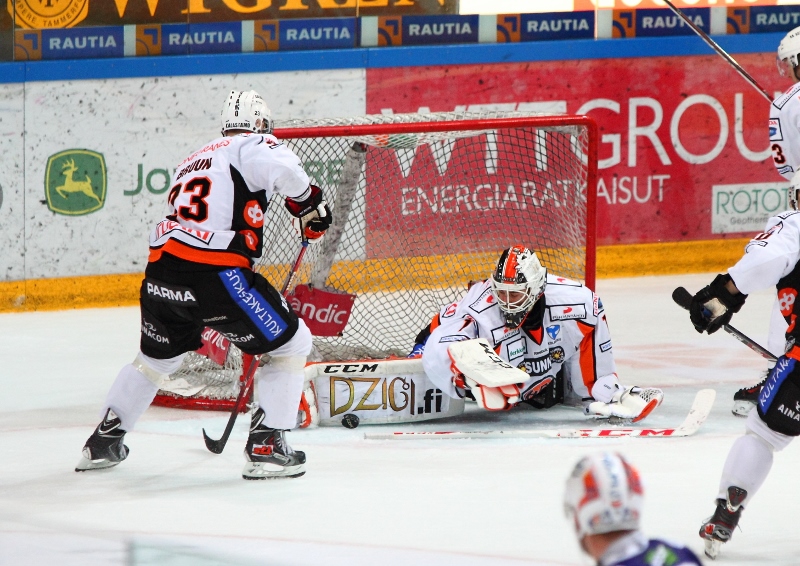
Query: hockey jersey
784	132
771	258
219	195
636	550
573	336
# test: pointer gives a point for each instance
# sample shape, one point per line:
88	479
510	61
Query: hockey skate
268	454
719	528
629	405
746	398
104	449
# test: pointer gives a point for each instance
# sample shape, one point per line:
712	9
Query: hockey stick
217	446
722	53
684	299
701	407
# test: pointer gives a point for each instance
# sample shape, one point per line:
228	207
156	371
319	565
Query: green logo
75	182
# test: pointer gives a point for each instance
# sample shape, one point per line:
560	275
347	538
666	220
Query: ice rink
421	502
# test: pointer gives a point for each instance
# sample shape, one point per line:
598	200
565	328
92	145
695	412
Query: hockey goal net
422	204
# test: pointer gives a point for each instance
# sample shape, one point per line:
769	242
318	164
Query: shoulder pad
781	101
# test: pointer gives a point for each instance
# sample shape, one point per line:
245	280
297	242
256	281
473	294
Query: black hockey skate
746	398
268	454
104	449
719	528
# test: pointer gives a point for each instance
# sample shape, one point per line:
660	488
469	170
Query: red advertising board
672	128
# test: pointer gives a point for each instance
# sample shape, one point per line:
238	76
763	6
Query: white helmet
603	494
788	51
246	110
517	283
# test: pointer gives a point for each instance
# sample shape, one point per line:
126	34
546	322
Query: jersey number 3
197	211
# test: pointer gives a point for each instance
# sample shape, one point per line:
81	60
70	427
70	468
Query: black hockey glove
713	306
313	213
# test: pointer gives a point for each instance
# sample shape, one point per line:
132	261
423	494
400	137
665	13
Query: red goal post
422	205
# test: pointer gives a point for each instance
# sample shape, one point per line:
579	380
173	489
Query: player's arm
436	359
769	257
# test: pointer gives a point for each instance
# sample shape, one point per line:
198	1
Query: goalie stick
701	407
217	446
684	299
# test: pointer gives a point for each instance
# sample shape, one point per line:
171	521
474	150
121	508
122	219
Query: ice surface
470	502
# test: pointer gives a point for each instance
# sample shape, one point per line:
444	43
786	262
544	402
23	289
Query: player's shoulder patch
503	333
775	131
453	338
484	302
783	99
575	311
562	281
449	310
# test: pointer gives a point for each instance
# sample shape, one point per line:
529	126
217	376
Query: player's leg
745	399
769	429
279	386
259	321
168	330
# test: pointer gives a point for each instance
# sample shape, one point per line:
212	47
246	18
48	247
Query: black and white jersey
219	196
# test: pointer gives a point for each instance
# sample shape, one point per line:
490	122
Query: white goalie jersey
574	336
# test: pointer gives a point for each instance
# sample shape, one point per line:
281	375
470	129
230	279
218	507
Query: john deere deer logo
75	182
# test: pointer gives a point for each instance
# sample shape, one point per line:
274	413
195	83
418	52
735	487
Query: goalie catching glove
713	306
312	213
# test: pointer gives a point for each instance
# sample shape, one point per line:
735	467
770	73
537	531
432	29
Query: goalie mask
517	283
603	494
246	111
788	51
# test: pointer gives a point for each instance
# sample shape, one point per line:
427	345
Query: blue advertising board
657	23
560	25
318	33
431	30
83	43
180	39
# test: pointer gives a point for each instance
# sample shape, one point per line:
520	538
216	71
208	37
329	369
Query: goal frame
363	130
354	131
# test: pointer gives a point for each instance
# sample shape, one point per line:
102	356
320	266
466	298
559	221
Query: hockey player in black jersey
200	274
604	499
